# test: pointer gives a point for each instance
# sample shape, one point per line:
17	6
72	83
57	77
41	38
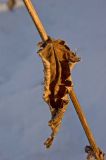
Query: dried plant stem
36	19
72	94
84	123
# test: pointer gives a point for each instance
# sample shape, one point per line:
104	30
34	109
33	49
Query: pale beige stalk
36	19
72	94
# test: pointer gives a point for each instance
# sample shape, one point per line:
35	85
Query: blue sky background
23	114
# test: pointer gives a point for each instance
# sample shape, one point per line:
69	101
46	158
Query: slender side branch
36	19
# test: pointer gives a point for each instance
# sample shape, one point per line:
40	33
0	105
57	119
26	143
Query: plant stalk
72	94
84	123
36	20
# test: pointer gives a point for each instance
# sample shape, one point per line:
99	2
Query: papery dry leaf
91	155
11	4
58	60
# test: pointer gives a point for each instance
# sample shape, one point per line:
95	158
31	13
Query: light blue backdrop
23	114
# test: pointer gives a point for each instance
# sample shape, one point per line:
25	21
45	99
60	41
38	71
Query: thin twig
84	123
36	19
72	94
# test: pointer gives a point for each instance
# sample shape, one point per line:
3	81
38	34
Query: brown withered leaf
11	4
91	155
58	60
